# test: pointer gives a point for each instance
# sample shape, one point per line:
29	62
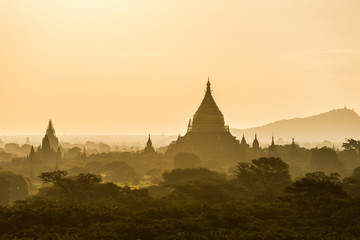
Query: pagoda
207	135
256	145
149	149
53	140
272	151
208	117
48	152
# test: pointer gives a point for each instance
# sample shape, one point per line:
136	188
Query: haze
136	67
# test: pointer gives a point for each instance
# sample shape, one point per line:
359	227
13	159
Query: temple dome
208	117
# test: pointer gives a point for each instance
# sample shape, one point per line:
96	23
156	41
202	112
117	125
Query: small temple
53	140
149	149
49	152
272	149
255	144
207	135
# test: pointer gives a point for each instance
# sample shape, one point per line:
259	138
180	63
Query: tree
89	178
54	177
317	193
352	184
94	166
85	187
263	177
351	144
118	171
73	153
13	148
4	191
182	176
104	148
325	159
19	185
186	160
199	184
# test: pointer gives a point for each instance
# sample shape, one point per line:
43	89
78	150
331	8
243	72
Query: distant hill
335	125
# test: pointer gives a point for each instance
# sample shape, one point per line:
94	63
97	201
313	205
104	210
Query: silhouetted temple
293	149
208	117
272	151
149	149
243	145
48	152
207	135
256	144
53	140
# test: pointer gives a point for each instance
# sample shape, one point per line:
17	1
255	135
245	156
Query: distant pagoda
207	135
48	152
149	149
53	140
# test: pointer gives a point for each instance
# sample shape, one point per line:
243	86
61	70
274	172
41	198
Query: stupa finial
208	86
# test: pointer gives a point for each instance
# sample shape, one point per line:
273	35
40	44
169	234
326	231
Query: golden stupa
207	135
208	117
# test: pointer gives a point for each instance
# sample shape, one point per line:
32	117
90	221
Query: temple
208	117
207	135
272	149
53	140
149	149
48	153
256	145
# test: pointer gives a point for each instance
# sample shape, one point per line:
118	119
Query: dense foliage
199	204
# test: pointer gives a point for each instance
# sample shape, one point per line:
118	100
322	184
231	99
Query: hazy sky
137	67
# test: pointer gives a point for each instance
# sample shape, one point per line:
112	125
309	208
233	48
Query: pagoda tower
293	148
256	145
53	140
49	151
272	151
149	147
208	117
243	144
207	135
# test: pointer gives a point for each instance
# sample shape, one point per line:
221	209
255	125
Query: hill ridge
334	125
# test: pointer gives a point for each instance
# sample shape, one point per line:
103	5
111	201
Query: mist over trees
195	203
272	192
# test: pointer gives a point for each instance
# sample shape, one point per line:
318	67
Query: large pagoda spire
207	136
208	117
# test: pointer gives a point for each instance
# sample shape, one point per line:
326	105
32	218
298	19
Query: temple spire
208	86
255	144
149	147
208	117
243	141
293	148
53	140
50	124
50	130
243	144
149	143
272	149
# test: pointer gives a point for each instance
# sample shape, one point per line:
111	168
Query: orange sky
137	67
